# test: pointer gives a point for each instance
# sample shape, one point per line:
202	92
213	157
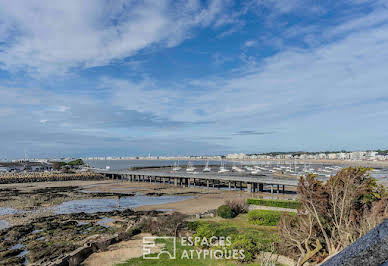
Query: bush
193	225
162	225
291	204
205	231
264	217
76	162
225	211
237	206
246	243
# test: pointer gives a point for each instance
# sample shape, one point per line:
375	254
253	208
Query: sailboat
190	167
222	168
256	171
176	167
207	168
237	169
107	167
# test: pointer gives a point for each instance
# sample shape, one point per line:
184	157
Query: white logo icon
150	249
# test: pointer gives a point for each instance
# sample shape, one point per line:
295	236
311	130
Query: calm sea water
104	205
125	164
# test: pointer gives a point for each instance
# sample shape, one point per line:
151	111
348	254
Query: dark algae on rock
48	238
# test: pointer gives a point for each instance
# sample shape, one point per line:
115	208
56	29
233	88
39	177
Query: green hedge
290	204
264	217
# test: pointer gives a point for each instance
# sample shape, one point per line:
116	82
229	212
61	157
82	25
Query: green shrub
205	231
225	230
246	243
225	211
76	162
193	225
290	204
264	217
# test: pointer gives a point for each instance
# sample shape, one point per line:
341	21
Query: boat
190	167
207	168
107	167
255	172
237	169
222	168
176	167
249	168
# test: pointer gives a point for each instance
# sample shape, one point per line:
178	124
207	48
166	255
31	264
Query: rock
370	249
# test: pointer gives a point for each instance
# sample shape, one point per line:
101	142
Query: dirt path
120	252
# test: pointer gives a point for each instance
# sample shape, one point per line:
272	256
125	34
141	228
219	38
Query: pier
209	180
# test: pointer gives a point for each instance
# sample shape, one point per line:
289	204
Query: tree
76	162
58	165
332	214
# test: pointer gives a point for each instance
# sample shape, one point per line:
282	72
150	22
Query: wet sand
32	200
204	199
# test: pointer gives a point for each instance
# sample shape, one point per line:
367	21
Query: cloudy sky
116	77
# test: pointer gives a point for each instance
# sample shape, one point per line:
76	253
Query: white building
236	156
357	155
370	155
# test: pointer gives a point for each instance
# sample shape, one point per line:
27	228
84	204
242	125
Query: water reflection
105	205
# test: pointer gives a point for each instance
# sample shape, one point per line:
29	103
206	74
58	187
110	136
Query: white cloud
293	84
280	7
51	37
327	87
250	43
333	86
360	23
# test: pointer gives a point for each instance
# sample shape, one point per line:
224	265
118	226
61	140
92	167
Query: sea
125	164
382	174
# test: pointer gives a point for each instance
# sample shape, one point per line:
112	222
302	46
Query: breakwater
10	178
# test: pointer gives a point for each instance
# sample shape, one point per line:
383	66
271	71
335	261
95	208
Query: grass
236	227
290	204
241	223
165	260
240	226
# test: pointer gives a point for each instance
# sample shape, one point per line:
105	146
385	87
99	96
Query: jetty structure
229	181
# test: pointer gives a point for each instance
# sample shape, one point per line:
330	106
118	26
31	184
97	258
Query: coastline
33	228
291	161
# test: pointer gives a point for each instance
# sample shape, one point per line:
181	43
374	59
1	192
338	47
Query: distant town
39	164
379	155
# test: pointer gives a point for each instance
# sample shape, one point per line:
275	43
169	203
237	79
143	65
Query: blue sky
192	77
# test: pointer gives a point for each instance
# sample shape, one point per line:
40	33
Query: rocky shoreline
35	234
38	234
52	238
11	178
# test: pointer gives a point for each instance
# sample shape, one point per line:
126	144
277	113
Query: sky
116	77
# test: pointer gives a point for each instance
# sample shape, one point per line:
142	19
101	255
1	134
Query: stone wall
47	177
369	250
